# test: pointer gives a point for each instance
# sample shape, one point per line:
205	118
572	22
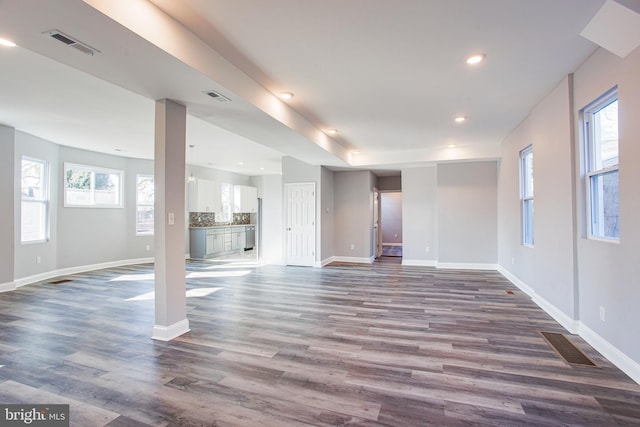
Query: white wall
391	217
420	216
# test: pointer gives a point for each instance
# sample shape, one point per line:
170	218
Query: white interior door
377	229
300	223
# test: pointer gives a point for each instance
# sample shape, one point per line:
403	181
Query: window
34	216
144	204
526	194
90	186
600	132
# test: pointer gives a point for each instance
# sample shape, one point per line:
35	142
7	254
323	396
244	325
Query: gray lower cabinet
215	241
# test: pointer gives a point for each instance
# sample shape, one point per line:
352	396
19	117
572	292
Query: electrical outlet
38	260
353	246
427	249
513	260
148	247
602	313
171	218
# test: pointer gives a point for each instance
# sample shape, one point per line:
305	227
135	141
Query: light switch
172	218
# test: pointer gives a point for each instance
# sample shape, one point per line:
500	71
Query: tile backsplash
208	219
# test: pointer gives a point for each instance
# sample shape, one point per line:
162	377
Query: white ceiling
389	75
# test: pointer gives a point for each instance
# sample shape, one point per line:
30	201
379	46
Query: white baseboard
419	262
5	287
320	264
466	266
615	356
608	350
79	269
558	315
358	260
391	244
167	333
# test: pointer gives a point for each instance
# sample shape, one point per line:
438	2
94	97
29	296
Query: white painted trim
611	352
359	260
167	333
558	315
391	244
466	266
9	286
320	264
79	269
419	262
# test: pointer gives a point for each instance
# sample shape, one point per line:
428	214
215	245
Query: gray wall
25	255
420	215
326	214
353	222
391	217
7	201
389	183
272	227
547	267
468	213
569	275
609	273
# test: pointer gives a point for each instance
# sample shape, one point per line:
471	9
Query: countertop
223	226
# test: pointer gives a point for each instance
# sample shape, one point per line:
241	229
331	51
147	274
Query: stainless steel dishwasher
250	231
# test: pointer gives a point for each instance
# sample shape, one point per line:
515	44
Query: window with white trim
600	144
34	213
526	194
92	187
144	204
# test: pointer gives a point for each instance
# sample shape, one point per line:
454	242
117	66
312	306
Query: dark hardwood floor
278	346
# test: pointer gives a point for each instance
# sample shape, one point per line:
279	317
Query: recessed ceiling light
7	43
460	119
120	150
261	169
286	95
451	145
475	58
355	152
332	131
240	163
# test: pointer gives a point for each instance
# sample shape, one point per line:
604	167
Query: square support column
169	221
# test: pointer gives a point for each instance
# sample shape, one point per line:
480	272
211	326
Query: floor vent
509	291
57	282
569	352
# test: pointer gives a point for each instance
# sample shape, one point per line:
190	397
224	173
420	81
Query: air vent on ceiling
70	41
217	96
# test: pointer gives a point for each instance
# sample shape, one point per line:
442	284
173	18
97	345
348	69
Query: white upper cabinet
245	199
204	196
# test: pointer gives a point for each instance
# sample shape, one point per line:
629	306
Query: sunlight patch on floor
191	293
207	274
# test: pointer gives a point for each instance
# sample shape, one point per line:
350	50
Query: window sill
604	239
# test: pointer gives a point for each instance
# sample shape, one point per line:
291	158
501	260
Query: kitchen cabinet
204	196
215	242
238	238
208	242
245	199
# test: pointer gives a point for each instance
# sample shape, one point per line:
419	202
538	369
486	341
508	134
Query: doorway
300	223
391	223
